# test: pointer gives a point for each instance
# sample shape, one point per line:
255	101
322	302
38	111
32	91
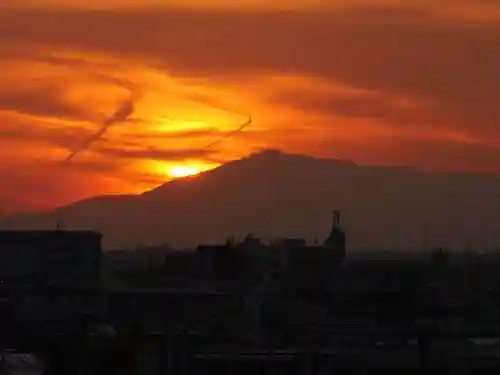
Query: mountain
9	205
273	194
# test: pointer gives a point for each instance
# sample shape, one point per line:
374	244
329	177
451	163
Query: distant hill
9	205
273	194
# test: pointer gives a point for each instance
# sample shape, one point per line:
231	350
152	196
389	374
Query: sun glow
179	171
166	170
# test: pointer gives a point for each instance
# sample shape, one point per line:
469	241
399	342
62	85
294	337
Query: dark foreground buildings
48	281
289	265
243	305
41	259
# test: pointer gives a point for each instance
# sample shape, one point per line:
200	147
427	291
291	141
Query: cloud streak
125	110
230	134
92	69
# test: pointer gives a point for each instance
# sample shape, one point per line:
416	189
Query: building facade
56	258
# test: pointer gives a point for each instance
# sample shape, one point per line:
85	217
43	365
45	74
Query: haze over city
376	82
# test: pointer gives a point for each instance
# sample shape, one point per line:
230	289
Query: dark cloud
64	137
373	13
178	134
21	53
39	100
207	134
403	117
430	154
156	153
377	107
46	95
205	138
104	167
401	52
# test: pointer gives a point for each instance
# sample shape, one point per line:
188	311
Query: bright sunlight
166	170
179	171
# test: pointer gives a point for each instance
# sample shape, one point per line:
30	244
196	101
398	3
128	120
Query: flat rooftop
39	233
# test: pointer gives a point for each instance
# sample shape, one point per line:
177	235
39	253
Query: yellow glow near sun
179	171
171	170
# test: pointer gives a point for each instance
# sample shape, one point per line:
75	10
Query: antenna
425	237
59	221
336	219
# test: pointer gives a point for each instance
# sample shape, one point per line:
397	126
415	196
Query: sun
179	171
167	170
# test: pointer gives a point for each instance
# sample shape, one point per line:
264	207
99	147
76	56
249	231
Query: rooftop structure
337	238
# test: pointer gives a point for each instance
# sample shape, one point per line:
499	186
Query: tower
336	240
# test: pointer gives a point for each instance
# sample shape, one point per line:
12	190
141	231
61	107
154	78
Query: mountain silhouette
273	194
8	205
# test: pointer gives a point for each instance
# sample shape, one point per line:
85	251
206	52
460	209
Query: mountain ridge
275	194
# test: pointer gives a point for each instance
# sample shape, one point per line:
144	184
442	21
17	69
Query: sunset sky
379	82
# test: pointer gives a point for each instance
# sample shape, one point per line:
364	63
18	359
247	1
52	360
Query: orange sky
379	82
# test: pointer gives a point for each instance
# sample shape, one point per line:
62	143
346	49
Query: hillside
8	205
273	194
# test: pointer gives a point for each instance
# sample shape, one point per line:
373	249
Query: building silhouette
336	240
50	258
50	276
290	265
